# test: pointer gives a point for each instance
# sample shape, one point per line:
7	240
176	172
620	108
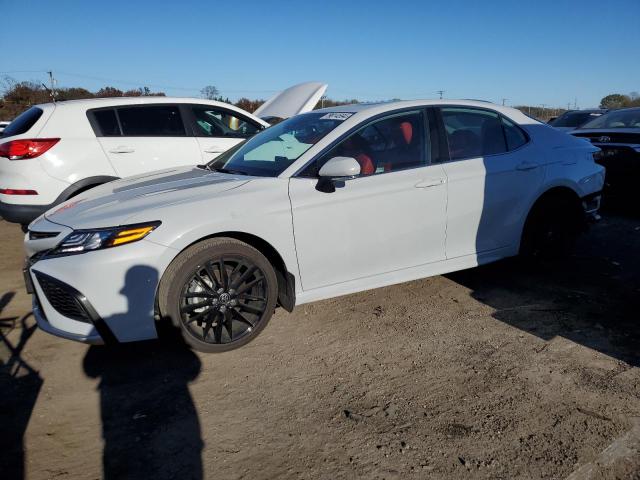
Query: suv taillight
27	148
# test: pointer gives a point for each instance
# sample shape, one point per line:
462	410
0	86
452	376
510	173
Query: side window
107	123
151	121
388	145
515	136
473	132
212	122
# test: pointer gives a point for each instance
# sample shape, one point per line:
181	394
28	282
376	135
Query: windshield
617	119
270	152
574	119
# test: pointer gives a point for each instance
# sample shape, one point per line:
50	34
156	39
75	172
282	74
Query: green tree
615	100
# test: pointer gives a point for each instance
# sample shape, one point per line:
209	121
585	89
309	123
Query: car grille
63	298
610	137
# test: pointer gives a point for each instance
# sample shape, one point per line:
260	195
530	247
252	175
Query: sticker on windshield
336	116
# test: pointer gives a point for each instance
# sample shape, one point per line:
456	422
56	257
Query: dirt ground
495	372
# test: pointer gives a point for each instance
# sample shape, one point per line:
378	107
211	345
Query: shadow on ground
591	298
20	385
150	424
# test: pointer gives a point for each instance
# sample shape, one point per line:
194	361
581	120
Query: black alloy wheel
220	292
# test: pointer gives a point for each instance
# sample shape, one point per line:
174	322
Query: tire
220	292
551	229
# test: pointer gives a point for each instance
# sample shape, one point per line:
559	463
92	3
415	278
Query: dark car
572	119
617	134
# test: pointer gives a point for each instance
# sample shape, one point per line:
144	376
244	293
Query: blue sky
529	52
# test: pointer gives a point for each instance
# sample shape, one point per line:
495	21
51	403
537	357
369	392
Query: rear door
143	138
217	129
492	173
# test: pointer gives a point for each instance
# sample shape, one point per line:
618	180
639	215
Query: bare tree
210	92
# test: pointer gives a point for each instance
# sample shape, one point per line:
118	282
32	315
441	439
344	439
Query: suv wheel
220	292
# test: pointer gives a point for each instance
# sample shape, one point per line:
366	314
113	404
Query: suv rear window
153	121
23	122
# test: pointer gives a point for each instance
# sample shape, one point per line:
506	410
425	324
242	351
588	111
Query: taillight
17	191
27	148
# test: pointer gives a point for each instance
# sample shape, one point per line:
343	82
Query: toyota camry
323	204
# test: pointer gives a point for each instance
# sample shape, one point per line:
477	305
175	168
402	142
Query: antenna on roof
52	91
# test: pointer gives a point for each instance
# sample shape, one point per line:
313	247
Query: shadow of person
20	385
150	424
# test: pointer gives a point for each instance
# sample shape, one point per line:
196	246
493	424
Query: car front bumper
104	296
591	206
22	214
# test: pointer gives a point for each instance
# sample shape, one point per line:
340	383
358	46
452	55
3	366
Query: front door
218	129
389	218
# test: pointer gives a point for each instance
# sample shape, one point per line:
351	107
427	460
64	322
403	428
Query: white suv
55	151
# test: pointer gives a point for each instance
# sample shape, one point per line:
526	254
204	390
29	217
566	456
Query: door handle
430	182
122	149
527	166
214	150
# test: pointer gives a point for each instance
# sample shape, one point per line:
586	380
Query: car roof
100	102
381	107
588	110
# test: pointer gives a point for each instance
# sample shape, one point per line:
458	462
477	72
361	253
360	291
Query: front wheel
221	293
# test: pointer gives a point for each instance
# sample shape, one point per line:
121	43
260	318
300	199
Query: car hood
116	203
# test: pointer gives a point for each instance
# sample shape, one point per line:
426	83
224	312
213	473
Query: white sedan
324	204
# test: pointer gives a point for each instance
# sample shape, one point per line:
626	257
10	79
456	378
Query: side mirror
336	169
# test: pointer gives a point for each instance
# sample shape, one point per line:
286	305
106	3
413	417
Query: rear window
574	119
155	121
515	136
23	122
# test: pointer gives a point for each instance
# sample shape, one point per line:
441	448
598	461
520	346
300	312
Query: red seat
366	164
407	131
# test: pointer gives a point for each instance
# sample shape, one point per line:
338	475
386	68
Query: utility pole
322	100
52	82
575	103
440	92
568	105
504	100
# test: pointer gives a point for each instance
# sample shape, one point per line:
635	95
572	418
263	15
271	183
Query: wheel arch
557	193
83	185
286	280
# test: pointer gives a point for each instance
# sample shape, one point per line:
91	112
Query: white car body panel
368	219
134	155
371	232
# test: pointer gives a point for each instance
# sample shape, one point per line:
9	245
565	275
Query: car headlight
80	241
